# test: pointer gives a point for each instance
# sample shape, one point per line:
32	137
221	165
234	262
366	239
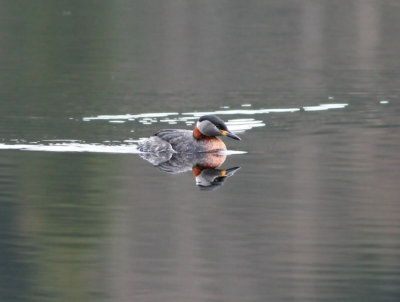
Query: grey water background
312	215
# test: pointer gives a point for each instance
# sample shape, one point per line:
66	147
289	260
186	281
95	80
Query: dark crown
215	120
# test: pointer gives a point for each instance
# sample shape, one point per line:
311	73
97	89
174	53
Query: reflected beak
231	171
230	134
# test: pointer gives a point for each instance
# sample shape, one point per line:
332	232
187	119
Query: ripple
73	147
129	116
232	152
117	121
325	107
242	111
128	146
238	125
189	118
241	125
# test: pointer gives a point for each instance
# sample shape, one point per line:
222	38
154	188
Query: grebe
202	139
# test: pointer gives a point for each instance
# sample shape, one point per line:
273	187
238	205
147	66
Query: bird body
202	139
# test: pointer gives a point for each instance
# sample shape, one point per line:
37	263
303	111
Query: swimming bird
203	138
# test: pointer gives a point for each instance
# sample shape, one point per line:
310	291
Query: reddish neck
196	171
197	134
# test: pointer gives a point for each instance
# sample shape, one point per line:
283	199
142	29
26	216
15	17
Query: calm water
312	88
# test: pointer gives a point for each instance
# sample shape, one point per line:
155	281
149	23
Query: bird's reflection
211	178
204	166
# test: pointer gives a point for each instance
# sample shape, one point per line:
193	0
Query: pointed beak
231	171
232	135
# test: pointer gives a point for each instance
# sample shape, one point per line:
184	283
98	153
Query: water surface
312	88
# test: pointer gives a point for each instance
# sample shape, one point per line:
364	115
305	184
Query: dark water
313	214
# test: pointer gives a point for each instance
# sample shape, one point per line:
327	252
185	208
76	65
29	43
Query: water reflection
313	214
210	179
203	165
